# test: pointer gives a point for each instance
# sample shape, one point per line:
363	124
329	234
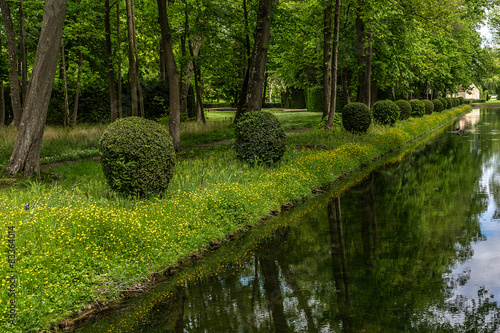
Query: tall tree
257	67
131	58
327	57
25	156
173	75
17	109
335	49
111	74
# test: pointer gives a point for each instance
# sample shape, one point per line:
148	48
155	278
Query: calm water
414	247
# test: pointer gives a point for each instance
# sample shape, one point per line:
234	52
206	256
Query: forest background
406	48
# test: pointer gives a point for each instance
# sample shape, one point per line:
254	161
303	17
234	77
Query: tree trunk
186	70
24	60
111	74
2	105
200	114
118	42
65	81
335	48
257	68
173	75
241	96
78	83
327	58
25	156
136	51
131	60
17	109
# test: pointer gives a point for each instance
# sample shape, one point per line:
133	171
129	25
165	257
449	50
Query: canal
412	246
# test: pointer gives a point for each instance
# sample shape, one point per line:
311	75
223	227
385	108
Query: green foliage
138	157
429	106
461	100
260	138
385	112
315	99
294	98
404	109
445	103
438	105
450	102
337	120
417	108
356	117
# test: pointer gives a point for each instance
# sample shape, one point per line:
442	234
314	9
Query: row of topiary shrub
357	117
138	157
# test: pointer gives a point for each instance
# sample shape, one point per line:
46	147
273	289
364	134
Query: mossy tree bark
25	156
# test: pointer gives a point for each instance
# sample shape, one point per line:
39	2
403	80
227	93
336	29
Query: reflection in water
412	248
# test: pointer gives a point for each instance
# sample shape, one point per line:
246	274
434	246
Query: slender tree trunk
15	97
200	114
78	83
257	68
25	156
173	75
270	92
241	96
335	48
264	90
118	42
111	74
368	71
136	52
131	60
2	105
65	81
24	60
327	57
186	69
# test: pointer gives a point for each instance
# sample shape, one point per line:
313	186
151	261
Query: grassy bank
77	242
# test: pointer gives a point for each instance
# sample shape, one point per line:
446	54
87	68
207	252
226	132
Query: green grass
78	242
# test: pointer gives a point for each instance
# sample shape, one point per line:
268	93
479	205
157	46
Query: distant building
471	93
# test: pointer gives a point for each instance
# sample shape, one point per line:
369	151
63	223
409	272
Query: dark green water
414	247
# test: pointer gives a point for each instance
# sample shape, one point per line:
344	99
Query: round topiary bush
429	106
137	156
259	138
356	117
404	109
385	112
461	100
438	105
417	108
450	102
445	103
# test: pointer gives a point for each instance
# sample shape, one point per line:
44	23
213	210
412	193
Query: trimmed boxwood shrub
417	108
137	156
438	105
385	112
461	99
260	138
356	117
445	103
315	99
404	109
429	106
450	102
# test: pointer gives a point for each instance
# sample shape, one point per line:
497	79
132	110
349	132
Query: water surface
414	247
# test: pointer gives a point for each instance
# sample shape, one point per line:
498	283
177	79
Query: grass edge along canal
74	250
